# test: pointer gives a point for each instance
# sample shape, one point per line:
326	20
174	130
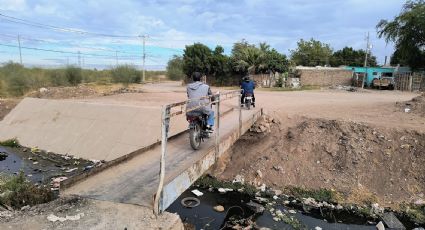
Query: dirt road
361	144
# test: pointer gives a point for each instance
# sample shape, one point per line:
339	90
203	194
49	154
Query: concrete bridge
136	181
138	163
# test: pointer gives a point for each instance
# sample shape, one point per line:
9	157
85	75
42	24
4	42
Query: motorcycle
247	101
198	129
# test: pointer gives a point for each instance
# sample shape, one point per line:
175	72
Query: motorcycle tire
248	105
195	137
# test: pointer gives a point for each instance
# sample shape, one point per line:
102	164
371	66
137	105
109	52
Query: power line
68	44
65	52
61	29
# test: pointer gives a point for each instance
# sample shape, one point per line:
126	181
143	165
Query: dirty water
39	167
204	216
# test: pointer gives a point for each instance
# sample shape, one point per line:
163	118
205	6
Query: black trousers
243	97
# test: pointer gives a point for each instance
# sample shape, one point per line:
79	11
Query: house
376	72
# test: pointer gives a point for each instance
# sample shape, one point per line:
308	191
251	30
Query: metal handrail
167	115
227	95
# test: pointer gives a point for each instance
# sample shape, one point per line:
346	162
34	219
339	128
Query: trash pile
416	105
263	124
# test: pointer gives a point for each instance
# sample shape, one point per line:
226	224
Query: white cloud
13	5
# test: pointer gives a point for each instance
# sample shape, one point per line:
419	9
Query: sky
102	34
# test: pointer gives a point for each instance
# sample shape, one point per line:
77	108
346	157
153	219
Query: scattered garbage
407	110
380	226
239	179
35	150
190	202
3	156
259	174
224	190
391	221
71	170
219	208
56	181
197	192
54	218
255	207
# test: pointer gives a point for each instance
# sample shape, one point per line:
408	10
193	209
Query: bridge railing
180	108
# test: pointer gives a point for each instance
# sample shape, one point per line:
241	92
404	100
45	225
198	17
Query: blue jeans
210	120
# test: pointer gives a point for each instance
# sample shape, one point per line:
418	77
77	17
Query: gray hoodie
195	91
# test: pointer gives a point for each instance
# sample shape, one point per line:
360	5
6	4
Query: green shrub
57	78
175	68
125	74
73	75
2	88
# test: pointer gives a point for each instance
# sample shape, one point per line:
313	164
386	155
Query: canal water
205	217
39	167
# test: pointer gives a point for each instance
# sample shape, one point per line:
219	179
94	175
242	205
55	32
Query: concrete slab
87	130
136	181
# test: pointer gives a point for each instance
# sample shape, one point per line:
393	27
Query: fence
180	108
410	81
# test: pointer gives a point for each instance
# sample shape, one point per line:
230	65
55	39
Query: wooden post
165	122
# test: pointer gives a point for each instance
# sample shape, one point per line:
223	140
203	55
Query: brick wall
325	77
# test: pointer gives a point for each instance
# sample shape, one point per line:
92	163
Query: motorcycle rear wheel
195	137
248	105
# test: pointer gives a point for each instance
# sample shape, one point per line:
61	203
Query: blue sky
171	25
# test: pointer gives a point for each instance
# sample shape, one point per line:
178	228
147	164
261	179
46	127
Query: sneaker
253	105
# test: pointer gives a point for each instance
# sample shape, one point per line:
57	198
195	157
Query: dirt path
84	214
371	106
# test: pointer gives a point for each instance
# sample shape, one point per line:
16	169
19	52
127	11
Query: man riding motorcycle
197	90
247	87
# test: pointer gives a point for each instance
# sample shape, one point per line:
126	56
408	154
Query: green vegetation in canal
17	191
13	143
321	194
416	213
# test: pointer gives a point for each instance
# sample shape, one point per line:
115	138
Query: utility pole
365	59
116	58
20	52
144	56
79	59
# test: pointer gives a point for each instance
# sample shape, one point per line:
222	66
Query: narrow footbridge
157	175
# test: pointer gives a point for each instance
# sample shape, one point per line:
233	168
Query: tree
175	68
246	57
311	53
197	58
351	57
407	31
275	62
219	63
